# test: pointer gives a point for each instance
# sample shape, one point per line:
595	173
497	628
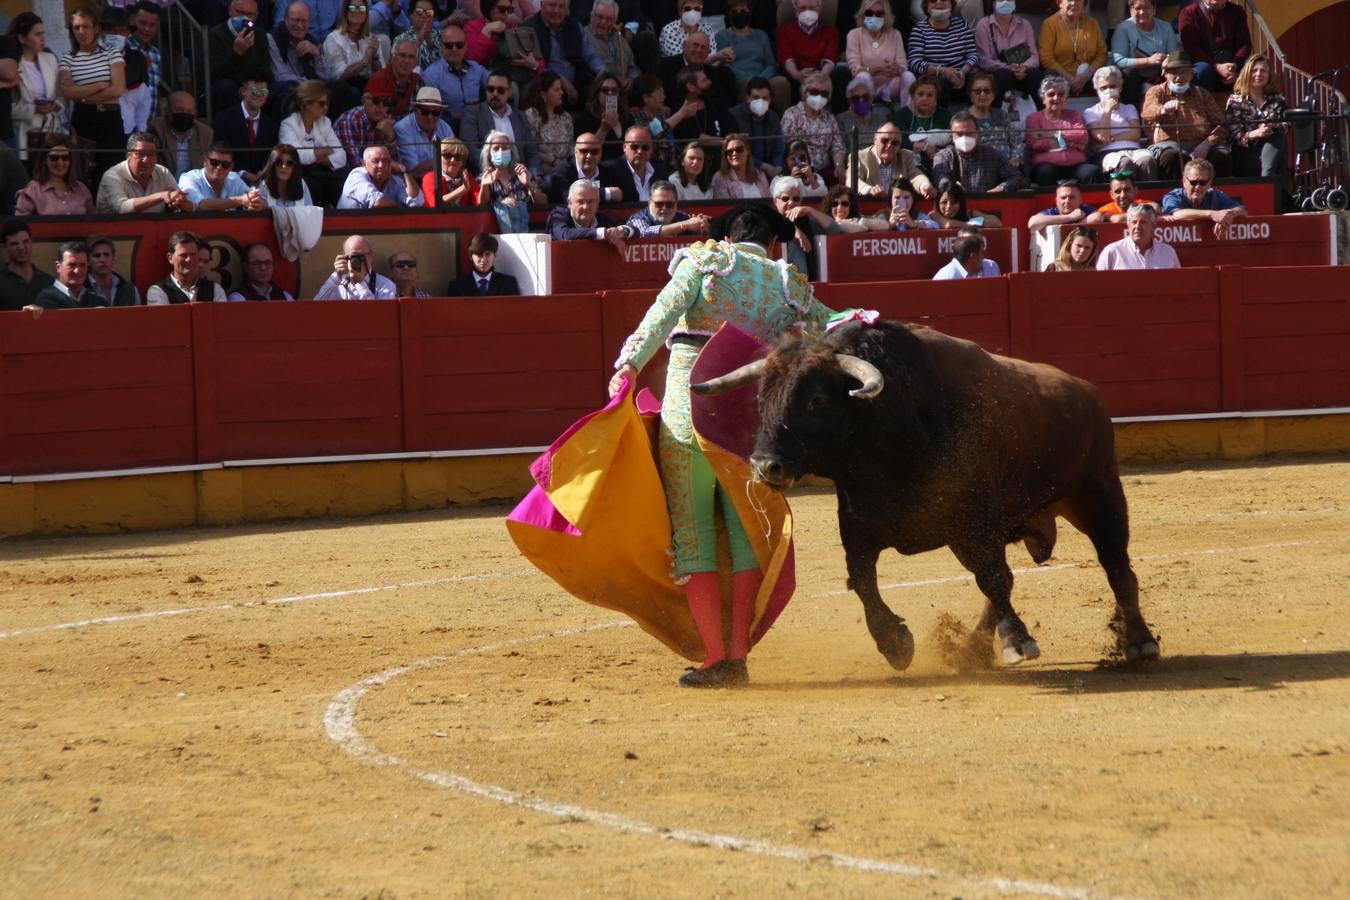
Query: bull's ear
730	381
864	371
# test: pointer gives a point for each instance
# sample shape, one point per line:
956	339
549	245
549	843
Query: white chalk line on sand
339	722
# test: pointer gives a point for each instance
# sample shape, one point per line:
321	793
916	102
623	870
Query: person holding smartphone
237	53
353	278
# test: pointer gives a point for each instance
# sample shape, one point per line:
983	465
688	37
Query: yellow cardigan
1057	45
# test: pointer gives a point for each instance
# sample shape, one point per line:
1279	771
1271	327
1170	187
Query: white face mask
808	18
1179	88
691	18
1005	7
965	143
939	15
874	23
817	102
759	106
1109	93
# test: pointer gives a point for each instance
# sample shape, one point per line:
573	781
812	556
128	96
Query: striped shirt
952	48
91	68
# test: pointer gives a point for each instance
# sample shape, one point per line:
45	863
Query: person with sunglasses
216	187
280	182
367	125
456	185
634	172
885	161
238	52
459	79
56	189
424	31
247	126
403	272
499	115
421	131
258	284
351	53
662	216
1198	199
311	133
486	35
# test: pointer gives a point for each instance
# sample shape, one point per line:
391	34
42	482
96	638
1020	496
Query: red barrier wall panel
297	379
1295	337
503	372
579	266
973	308
85	390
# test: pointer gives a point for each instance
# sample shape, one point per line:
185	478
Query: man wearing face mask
761	125
1214	34
183	140
977	167
1183	121
807	46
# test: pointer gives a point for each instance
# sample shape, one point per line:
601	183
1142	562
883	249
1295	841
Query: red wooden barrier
1151	344
1295	333
503	372
972	308
579	266
904	255
96	389
1290	240
297	379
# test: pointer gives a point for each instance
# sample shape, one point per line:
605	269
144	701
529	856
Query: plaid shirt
982	170
356	134
152	62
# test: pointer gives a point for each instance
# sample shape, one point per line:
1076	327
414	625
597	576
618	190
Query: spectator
751	54
997	130
1069	208
662	216
710	122
112	288
1057	137
424	31
374	185
403	271
457	186
204	260
182	138
924	124
1184	121
486	36
648	96
862	115
421	131
1256	122
293	50
215	188
974	165
459	79
838	203
92	80
1008	51
634	173
38	103
248	126
585	164
258	283
1124	193
20	280
690	20
761	128
1071	46
1077	252
320	15
697	53
139	184
739	178
135	103
580	219
70	289
351	53
951	211
483	280
398	79
238	52
56	188
942	45
1138	249
551	123
388	18
1214	35
876	49
368	125
564	48
605	116
904	213
808	50
1116	129
185	282
811	121
144	39
353	276
885	161
498	115
1139	47
609	44
693	178
507	184
280	183
1198	199
309	131
967	260
787	199
797	163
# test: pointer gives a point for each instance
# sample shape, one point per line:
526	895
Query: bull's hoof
1144	651
898	647
723	673
1015	652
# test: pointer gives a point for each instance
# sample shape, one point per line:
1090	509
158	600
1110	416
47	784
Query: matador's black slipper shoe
723	673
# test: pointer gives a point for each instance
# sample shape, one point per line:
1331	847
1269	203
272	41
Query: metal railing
185	55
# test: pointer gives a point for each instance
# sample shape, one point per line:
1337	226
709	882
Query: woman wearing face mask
1116	129
751	53
1057	138
862	115
690	20
1007	45
1078	252
943	45
507	186
875	48
811	121
1071	45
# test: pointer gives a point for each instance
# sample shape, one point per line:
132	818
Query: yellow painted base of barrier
267	493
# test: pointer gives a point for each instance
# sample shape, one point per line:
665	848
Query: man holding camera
353	278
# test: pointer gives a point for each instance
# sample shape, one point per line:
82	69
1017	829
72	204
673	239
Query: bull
931	441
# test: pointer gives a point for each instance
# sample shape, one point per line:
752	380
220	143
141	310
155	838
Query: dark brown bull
932	442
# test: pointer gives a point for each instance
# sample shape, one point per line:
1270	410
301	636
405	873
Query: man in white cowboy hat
420	132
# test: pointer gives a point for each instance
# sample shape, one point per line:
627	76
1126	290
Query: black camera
356	261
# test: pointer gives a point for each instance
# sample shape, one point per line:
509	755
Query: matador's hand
616	383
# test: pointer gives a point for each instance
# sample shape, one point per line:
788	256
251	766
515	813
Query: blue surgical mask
1005	7
1180	88
500	158
873	23
238	22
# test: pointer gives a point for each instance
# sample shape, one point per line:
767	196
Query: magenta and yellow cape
597	524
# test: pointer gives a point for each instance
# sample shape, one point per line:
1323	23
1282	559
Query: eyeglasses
888	142
405	264
981	90
639	146
1197	183
734	151
58	157
379	101
838	203
352	7
458	156
259	92
611	89
453	45
220	163
588	151
285	162
816	92
663	204
496	89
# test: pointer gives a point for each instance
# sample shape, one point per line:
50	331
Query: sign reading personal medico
579	266
903	255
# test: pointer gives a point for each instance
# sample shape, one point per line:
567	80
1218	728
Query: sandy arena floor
400	707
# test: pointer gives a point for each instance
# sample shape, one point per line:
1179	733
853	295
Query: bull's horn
732	380
864	371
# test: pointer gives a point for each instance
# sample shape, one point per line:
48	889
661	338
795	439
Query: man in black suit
585	164
635	171
244	124
697	49
481	119
483	280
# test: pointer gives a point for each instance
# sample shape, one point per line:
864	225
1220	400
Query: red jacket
806	50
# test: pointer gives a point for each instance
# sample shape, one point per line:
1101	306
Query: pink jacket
990	40
1042	138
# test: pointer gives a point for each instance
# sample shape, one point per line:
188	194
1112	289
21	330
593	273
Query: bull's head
805	388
